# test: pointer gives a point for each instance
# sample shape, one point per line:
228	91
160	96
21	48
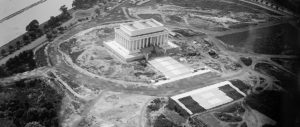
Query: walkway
174	70
170	67
31	46
265	7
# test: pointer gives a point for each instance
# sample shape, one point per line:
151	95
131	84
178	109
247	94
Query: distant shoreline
21	11
18	38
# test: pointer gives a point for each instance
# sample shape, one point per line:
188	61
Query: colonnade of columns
136	43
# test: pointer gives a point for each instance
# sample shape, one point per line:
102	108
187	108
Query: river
15	26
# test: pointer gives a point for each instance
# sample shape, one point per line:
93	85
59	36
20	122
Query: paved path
30	46
265	7
38	72
69	88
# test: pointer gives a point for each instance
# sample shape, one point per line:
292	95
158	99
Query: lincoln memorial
131	37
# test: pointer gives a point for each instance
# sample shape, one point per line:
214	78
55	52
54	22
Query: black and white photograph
149	63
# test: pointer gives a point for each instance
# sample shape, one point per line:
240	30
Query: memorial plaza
135	40
131	37
203	99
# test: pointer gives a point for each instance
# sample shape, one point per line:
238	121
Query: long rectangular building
202	99
131	37
141	34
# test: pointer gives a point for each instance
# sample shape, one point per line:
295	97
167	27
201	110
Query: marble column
167	36
139	44
156	40
163	39
136	44
131	45
159	40
126	44
147	42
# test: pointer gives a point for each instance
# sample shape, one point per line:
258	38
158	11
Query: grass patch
240	85
274	104
290	64
279	39
162	121
286	80
225	6
40	57
246	60
80	14
227	117
175	18
74	55
188	32
157	17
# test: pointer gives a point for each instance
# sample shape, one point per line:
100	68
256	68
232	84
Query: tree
32	35
34	124
77	3
32	26
97	11
3	52
53	22
159	1
11	49
85	3
49	36
64	11
18	43
26	39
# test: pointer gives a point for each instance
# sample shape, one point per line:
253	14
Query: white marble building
131	37
141	34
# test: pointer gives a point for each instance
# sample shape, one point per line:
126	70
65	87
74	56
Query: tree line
85	4
29	103
18	64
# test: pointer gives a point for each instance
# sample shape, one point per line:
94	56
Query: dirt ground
126	91
117	109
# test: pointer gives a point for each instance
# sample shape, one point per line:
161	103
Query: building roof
141	27
205	98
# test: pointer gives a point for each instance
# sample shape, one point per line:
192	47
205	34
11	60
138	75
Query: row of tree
85	4
18	64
